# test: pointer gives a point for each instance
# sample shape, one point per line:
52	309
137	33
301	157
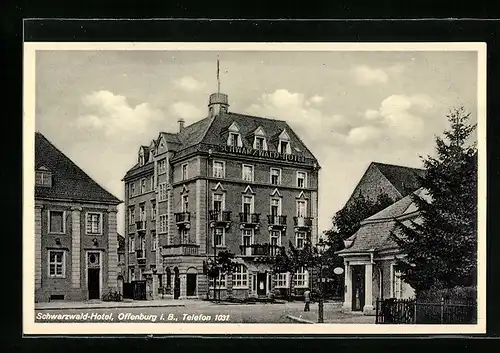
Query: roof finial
218	79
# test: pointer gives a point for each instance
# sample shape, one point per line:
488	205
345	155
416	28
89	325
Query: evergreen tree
441	245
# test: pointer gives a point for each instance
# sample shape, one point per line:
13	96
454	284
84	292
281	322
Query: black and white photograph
254	188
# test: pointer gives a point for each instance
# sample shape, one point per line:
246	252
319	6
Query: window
142	212
397	283
219	237
163	192
247	235
301	278
131	273
275	207
282	280
185	203
220	281
240	277
184	236
141	273
43	178
233	139
57	266
153	210
275	176
141	159
300	238
154	240
131	215
247	172
94	223
301	180
284	147
275	241
301	208
143	185
218	202
152	183
142	245
218	169
184	171
162	166
131	244
132	189
247	204
259	143
56	222
163	223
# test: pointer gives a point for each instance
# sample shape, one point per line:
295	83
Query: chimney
181	124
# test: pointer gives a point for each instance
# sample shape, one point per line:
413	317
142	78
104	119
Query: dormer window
43	177
259	143
284	143
234	139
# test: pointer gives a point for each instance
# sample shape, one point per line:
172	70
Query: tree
440	248
222	266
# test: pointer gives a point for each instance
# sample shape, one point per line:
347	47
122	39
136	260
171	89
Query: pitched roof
404	179
375	231
69	182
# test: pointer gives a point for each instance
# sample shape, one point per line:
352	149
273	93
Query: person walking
307	300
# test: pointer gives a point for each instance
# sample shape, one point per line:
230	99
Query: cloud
112	114
366	76
186	111
189	84
402	115
363	134
315	100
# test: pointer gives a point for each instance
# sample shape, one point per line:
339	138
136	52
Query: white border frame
31	327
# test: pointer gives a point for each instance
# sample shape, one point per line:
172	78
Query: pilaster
75	247
368	308
38	246
347	306
112	249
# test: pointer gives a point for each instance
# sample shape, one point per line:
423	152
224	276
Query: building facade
75	230
232	182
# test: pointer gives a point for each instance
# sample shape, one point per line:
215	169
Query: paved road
199	311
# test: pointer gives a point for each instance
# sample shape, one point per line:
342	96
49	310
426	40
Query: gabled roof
69	182
404	179
375	231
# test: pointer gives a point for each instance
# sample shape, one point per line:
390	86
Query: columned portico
347	306
358	292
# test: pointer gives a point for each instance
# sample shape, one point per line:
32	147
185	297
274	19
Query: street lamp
320	246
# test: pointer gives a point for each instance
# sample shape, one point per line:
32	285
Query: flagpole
218	79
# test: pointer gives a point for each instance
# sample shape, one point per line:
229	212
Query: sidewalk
331	314
97	304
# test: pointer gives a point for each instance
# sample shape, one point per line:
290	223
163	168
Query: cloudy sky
350	108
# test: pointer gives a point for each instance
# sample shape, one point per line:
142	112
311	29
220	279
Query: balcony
220	218
140	226
276	222
304	223
249	220
180	249
183	219
260	250
141	255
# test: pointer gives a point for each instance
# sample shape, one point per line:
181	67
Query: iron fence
411	311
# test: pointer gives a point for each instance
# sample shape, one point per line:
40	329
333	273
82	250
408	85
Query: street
200	311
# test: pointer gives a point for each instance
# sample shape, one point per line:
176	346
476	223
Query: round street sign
338	270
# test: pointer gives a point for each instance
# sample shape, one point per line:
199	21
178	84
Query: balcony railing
181	249
275	220
260	250
140	225
220	216
182	217
250	218
302	222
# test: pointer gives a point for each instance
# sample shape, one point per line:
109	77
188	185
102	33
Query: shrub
458	294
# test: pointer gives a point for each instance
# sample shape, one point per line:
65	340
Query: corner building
230	181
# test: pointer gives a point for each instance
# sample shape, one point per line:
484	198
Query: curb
113	307
298	319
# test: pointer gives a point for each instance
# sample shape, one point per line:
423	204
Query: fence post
442	309
376	311
415	311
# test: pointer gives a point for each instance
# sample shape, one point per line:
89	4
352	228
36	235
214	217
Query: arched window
240	277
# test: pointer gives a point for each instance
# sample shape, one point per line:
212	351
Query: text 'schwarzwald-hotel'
232	182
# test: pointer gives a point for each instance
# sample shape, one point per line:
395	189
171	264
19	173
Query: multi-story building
75	230
230	181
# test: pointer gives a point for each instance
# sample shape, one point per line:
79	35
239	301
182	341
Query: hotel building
234	182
